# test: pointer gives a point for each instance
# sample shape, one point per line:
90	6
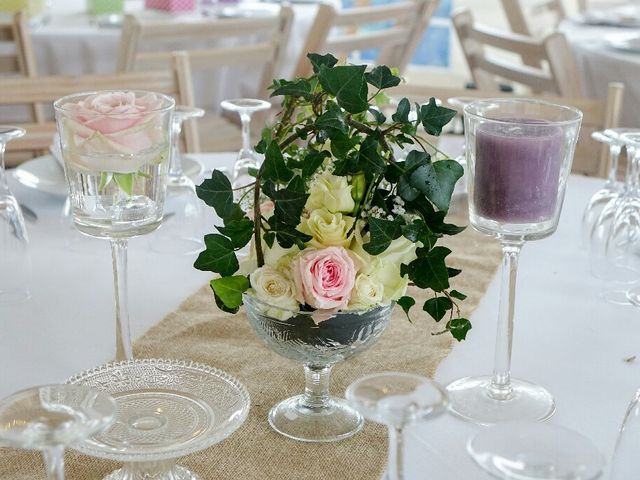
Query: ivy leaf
402	112
406	303
437	307
124	181
230	289
218	256
453	272
429	270
269	238
381	77
457	294
342	144
312	162
332	119
369	160
347	84
415	159
289	205
433	117
378	116
418	231
406	191
297	88
274	167
238	231
382	233
436	181
459	328
318	61
217	193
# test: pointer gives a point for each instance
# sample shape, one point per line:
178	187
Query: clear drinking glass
247	157
519	154
14	240
624	465
50	418
115	147
318	340
535	451
181	232
396	400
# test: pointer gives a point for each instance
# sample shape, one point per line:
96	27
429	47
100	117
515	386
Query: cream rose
327	229
367	292
331	192
99	129
275	289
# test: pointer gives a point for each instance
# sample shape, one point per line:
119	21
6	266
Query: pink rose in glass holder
324	277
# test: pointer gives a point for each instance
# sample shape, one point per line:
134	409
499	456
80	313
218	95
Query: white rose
273	257
275	289
327	229
367	292
331	192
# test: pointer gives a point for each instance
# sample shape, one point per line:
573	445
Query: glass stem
612	180
500	387
4	186
245	119
316	389
123	334
395	467
175	165
54	462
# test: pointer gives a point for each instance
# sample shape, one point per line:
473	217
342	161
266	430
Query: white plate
625	43
46	175
626	16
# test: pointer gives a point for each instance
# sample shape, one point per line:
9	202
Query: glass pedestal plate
166	409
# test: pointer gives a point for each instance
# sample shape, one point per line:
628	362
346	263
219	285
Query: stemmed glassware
396	400
13	232
247	157
180	234
535	451
50	418
115	147
519	154
624	465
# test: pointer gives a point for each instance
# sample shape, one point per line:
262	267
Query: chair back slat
535	18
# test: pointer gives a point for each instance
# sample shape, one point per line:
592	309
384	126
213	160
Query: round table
600	64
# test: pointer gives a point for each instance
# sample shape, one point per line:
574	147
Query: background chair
591	158
214	46
535	18
45	90
341	32
556	72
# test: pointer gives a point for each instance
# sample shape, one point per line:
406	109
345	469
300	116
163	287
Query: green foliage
341	113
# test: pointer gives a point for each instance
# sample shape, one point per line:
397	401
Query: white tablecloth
72	44
600	64
566	337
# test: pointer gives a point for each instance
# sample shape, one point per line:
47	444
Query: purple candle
517	169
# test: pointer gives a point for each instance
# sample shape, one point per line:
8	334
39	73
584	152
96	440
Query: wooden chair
555	74
340	32
534	18
591	158
45	90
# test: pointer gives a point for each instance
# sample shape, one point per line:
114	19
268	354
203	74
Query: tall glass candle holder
519	154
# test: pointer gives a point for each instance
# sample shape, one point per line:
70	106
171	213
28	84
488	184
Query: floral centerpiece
340	221
339	225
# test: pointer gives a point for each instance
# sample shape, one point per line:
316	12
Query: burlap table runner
200	332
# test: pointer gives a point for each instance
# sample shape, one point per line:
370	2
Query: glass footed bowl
166	409
318	340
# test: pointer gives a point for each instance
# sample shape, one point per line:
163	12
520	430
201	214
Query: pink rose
324	278
122	120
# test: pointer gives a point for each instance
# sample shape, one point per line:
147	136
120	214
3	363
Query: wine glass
624	465
611	189
535	451
519	154
180	233
52	417
247	157
115	147
14	240
396	400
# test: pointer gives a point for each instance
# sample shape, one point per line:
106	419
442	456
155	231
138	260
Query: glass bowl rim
168	102
631	138
254	300
469	110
